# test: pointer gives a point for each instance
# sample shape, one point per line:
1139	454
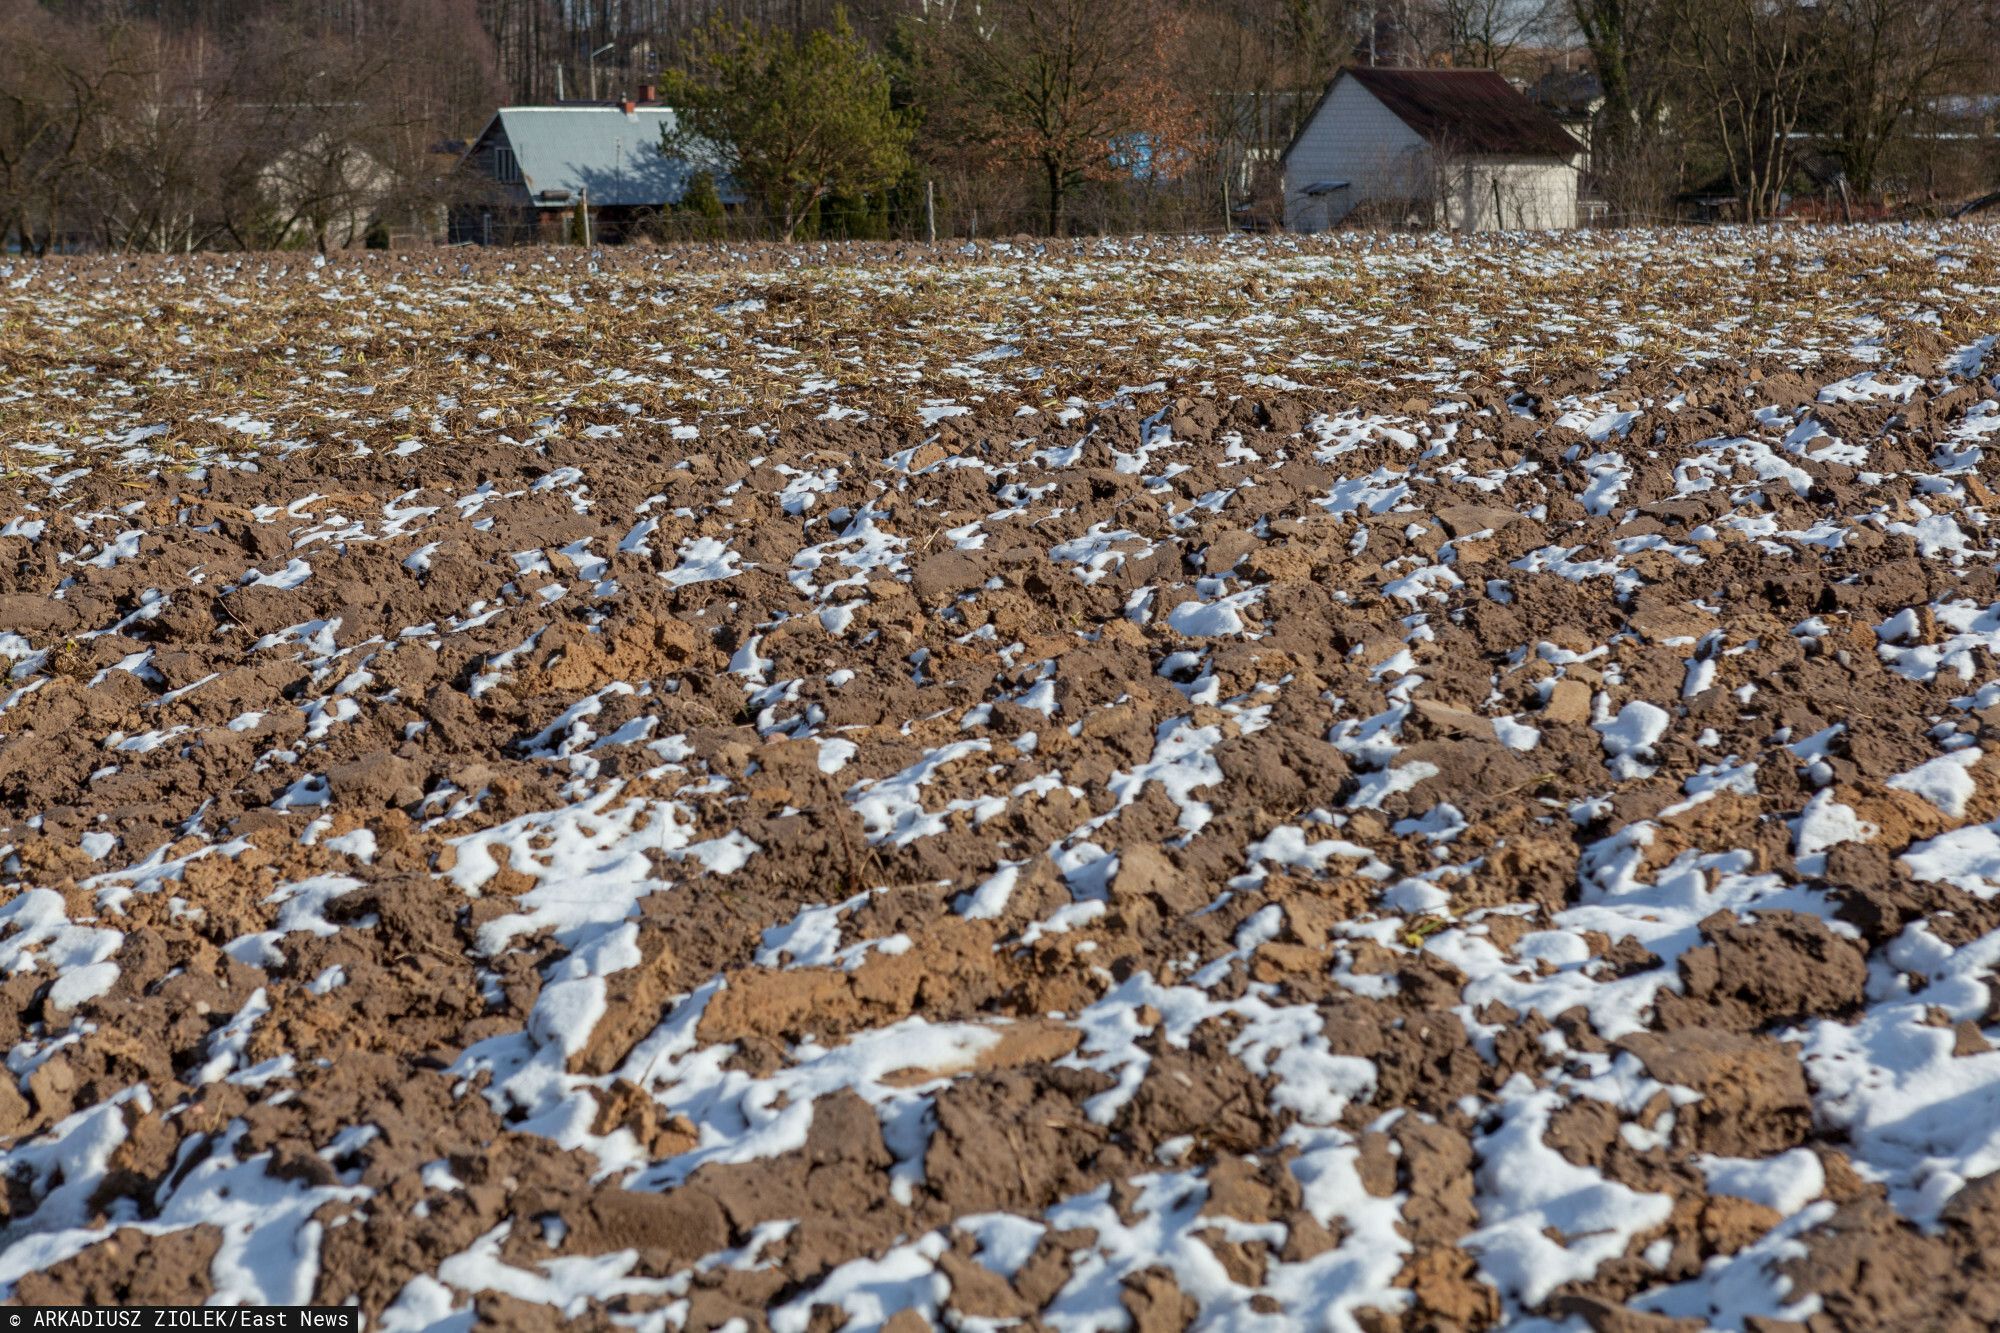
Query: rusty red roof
1469	110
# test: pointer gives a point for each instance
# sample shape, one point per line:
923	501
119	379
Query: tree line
168	125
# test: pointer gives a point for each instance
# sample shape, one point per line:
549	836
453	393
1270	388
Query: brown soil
631	777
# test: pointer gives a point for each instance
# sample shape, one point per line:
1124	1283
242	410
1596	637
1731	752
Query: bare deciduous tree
1884	61
176	124
58	82
1080	89
1482	34
1748	68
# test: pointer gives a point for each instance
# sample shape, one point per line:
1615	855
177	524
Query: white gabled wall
1511	194
1352	137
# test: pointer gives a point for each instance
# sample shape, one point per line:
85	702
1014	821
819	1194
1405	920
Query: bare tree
168	151
58	80
1080	89
1482	34
1885	61
1613	30
175	124
1748	68
442	85
1322	34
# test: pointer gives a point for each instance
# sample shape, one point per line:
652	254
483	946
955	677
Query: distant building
1457	148
1574	97
1962	115
327	192
536	163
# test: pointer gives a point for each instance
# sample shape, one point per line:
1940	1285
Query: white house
1459	148
326	190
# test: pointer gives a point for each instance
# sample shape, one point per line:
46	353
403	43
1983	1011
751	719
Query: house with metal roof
1456	148
533	165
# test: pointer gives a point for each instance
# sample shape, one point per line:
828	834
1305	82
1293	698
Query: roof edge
1313	114
657	108
1390	95
476	140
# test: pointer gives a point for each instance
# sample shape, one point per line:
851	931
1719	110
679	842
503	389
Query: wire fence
1030	225
481	226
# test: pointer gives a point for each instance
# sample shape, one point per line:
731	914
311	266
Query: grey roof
612	152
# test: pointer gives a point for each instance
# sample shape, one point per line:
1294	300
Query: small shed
1457	148
534	164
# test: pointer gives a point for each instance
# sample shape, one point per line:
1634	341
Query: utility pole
930	211
593	67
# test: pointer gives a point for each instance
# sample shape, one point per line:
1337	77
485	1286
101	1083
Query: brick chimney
648	94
